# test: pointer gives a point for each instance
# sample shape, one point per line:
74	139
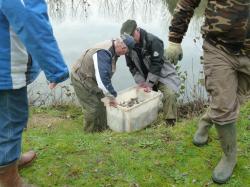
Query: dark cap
128	27
128	40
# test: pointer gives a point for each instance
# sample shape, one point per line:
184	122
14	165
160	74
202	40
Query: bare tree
79	8
117	9
57	9
106	7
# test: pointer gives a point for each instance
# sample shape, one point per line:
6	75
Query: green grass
154	157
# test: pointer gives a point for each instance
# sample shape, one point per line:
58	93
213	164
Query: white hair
119	43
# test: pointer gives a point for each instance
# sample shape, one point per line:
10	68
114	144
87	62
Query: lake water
79	24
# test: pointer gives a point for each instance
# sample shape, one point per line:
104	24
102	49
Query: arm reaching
103	72
182	15
29	20
173	53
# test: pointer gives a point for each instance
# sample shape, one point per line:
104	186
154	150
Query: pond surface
79	24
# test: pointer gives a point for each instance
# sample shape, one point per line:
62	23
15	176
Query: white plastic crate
136	117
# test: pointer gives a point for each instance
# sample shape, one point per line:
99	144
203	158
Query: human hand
173	53
52	85
113	102
147	89
145	86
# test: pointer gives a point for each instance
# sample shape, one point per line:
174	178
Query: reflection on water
171	4
79	24
59	9
121	9
118	9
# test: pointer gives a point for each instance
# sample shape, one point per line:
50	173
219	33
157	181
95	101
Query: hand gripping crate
136	109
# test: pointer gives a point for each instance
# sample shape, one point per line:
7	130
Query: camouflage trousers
89	97
227	81
169	101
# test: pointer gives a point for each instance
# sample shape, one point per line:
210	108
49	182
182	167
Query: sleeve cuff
152	79
175	40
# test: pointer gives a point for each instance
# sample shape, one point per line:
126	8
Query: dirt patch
43	120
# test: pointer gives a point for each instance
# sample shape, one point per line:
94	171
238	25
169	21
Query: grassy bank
154	157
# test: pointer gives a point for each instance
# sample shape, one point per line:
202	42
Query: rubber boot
201	135
224	170
9	176
26	159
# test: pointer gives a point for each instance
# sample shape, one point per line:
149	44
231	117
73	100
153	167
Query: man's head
130	27
124	44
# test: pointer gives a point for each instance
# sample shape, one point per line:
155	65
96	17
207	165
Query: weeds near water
62	95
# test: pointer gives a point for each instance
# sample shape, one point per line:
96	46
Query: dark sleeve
131	65
182	15
103	72
156	53
138	77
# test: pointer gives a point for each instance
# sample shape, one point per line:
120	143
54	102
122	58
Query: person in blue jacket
91	78
27	44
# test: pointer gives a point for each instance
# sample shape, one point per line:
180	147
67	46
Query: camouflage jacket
227	24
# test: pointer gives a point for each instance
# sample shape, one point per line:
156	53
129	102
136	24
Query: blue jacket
103	71
27	44
99	64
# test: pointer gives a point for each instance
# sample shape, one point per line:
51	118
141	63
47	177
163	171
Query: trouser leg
13	119
169	103
94	111
222	84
